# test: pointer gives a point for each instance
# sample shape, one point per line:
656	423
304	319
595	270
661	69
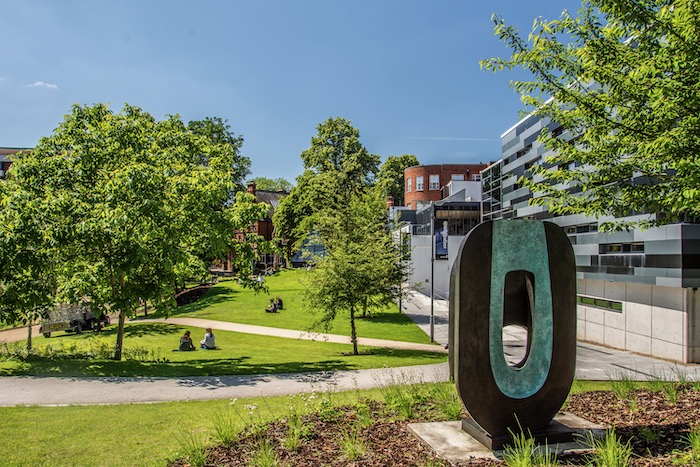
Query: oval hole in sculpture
518	307
515	348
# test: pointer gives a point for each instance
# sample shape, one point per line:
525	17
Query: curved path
118	390
292	334
592	363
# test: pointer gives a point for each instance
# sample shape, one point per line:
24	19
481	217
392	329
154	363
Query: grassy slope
239	354
227	301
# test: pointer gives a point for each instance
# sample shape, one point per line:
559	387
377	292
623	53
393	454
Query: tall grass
610	451
524	452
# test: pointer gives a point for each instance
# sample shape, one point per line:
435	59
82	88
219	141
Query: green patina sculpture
513	272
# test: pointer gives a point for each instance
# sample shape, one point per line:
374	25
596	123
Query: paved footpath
593	363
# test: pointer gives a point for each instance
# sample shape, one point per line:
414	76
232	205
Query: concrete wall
653	321
420	261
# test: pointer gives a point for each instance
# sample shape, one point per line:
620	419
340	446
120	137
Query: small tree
362	267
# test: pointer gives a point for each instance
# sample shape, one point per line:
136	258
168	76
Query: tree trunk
364	308
353	332
145	308
29	337
120	336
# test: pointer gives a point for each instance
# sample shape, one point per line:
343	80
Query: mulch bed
654	423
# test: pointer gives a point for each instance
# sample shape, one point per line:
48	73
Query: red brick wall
445	172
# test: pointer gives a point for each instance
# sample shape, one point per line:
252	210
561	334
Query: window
434	182
476	178
458	177
409	184
610	305
419	183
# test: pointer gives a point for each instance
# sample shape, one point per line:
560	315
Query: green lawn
149	351
227	301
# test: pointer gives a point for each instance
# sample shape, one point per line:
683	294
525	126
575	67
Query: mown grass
149	350
228	301
149	434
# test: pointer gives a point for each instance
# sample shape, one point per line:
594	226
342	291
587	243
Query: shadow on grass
216	294
67	367
388	318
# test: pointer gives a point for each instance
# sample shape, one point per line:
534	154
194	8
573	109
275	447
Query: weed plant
363	414
650	435
352	445
623	387
193	448
691	456
225	430
265	455
670	391
448	401
610	451
524	452
297	430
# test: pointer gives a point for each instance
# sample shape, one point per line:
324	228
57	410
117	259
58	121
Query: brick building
5	161
424	183
263	227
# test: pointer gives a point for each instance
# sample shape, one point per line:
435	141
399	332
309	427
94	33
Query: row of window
610	305
434	181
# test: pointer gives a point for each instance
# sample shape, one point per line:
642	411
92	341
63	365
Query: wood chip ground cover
654	422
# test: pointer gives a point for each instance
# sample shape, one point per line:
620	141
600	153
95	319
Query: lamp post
432	271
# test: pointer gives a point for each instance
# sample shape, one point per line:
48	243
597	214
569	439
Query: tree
27	259
390	177
334	198
219	133
132	201
362	267
336	166
622	78
269	184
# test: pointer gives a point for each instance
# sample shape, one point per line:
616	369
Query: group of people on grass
208	343
274	306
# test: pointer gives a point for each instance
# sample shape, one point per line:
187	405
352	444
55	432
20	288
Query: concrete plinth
453	444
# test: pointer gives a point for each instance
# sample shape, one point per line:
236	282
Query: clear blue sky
404	72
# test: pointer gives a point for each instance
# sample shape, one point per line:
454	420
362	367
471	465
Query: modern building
425	183
637	289
436	230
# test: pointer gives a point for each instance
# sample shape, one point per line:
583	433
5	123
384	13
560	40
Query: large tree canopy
132	203
336	166
390	178
622	78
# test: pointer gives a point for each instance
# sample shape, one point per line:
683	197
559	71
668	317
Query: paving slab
450	442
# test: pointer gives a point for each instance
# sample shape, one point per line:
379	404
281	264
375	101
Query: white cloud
452	138
41	84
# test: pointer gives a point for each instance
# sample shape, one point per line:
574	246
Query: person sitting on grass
208	342
272	307
186	342
278	303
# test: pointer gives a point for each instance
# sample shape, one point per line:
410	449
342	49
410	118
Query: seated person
272	307
278	303
186	342
208	341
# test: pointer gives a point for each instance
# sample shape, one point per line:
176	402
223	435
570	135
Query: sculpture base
557	432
